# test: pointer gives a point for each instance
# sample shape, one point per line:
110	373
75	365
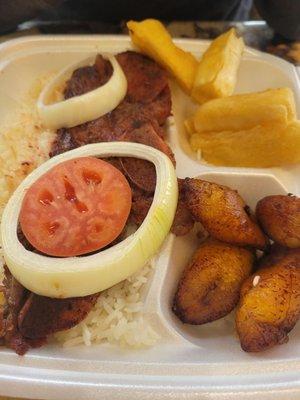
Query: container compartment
219	338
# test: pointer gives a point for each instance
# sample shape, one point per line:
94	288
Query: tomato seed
70	195
91	177
46	198
52	227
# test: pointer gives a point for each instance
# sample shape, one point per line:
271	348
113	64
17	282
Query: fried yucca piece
223	213
210	285
217	70
244	111
152	38
259	147
279	216
269	304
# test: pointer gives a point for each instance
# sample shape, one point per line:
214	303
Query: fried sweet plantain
279	216
223	213
269	304
210	285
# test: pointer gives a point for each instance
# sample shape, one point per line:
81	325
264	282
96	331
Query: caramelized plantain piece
210	285
279	216
223	213
270	303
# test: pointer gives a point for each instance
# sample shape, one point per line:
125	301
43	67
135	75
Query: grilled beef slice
15	296
147	100
27	319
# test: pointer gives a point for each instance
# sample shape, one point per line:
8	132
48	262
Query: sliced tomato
77	207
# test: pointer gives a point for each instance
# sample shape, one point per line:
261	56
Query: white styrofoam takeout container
188	362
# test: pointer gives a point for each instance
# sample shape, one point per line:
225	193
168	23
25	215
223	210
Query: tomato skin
77	207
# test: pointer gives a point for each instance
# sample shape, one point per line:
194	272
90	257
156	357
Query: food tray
188	362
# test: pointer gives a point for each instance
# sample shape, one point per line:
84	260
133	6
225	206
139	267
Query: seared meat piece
99	130
129	116
27	319
160	107
142	172
23	239
183	221
145	78
148	100
83	80
42	316
88	78
125	118
15	296
146	134
141	202
64	141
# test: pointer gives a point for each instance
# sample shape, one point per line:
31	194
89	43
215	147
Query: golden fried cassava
269	305
279	216
210	285
258	147
271	107
223	213
217	70
152	38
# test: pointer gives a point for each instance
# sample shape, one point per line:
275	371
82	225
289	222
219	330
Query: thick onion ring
81	276
84	108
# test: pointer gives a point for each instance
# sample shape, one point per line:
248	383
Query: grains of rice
256	279
24	145
117	316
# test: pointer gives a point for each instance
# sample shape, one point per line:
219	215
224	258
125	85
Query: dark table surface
256	33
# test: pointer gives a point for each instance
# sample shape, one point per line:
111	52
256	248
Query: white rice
117	316
24	145
256	279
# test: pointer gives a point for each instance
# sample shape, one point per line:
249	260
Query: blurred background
270	25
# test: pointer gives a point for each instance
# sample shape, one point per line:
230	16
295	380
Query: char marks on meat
141	172
27	319
145	78
88	78
41	316
15	296
160	107
141	202
148	100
